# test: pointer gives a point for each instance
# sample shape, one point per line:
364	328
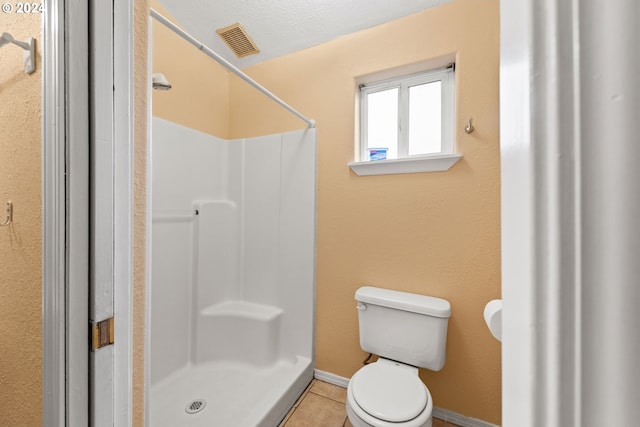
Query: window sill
435	163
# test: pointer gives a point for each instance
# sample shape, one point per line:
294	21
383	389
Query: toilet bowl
388	394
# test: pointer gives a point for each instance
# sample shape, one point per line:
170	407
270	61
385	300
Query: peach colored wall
141	87
199	98
432	233
20	243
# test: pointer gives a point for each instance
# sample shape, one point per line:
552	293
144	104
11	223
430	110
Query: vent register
238	40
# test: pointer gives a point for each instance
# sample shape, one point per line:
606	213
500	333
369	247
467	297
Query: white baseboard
442	414
330	378
459	419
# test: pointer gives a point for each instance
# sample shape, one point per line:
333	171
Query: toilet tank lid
415	303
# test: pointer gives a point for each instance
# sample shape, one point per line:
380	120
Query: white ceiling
283	26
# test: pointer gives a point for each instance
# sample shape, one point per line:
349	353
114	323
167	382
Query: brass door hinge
101	334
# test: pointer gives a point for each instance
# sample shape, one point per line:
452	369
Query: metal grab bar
220	60
175	215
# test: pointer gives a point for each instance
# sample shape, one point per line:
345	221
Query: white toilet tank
405	327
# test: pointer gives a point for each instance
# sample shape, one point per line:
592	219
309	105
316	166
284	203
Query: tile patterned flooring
322	405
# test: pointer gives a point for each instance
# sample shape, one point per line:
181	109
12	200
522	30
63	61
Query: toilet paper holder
493	318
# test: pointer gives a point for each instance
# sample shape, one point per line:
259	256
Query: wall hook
469	127
9	218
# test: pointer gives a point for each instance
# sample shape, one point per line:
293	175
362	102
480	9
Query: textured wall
141	85
432	233
21	243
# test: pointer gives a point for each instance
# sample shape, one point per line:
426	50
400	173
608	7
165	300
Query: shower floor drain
195	406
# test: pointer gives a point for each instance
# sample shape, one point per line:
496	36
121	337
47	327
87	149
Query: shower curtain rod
173	27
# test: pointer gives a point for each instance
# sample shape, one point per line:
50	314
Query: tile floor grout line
327	397
298	402
289	416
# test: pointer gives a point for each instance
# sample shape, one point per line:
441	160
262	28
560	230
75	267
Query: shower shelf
244	309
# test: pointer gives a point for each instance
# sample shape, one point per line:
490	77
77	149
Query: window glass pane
425	111
382	121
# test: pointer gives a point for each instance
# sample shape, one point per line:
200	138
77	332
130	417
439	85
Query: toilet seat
389	391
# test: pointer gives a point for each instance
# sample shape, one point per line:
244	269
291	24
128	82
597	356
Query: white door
570	104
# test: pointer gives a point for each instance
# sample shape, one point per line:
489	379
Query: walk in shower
232	276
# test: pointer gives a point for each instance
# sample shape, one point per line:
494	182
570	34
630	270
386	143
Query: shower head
160	82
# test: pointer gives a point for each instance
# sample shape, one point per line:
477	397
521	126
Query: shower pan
232	278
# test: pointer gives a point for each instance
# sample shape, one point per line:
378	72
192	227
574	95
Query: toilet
406	331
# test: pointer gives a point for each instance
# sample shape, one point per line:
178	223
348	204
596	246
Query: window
407	118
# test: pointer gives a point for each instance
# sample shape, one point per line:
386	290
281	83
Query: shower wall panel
171	295
297	246
261	204
279	232
186	166
217	253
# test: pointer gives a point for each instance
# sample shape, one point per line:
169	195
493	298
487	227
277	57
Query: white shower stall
231	334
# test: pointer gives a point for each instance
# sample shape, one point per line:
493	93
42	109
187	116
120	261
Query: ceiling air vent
238	40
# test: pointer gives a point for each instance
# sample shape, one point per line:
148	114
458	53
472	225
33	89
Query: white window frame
406	163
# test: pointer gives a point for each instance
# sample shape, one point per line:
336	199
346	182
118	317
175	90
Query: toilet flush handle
361	306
